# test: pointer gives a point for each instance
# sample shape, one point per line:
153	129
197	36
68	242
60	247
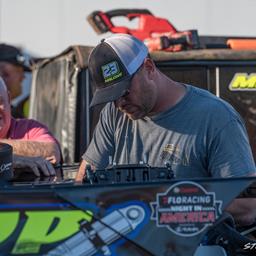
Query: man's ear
149	66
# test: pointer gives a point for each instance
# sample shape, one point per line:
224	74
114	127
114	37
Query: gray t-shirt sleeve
102	143
230	154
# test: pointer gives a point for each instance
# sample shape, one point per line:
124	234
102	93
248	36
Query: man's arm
48	150
243	211
225	162
81	171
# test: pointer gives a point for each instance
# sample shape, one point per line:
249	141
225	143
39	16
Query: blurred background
47	27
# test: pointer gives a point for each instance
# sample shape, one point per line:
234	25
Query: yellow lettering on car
243	82
37	229
8	223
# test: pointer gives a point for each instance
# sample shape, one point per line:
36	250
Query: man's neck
169	94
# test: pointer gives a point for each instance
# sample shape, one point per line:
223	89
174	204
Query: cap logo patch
20	58
111	71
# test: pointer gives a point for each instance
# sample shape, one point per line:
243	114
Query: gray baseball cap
112	64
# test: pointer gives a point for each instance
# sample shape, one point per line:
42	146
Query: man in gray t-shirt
149	116
191	136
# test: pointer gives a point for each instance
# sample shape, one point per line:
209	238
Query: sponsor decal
5	167
186	209
70	232
101	234
111	71
39	229
243	82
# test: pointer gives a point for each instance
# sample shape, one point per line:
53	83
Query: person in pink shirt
34	147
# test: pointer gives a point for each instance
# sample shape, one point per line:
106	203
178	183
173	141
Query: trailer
62	90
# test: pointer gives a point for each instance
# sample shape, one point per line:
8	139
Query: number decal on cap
111	71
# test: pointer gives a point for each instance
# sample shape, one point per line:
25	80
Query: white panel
47	27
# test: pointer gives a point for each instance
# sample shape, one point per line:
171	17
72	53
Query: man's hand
53	160
243	210
81	171
37	165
